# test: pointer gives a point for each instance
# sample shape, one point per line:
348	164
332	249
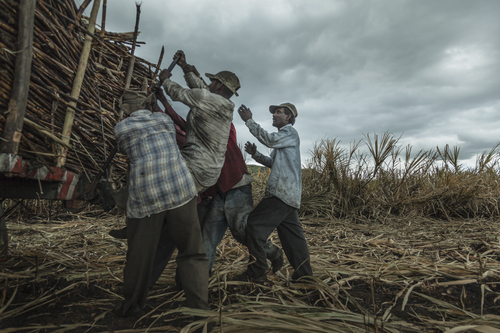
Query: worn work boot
119	233
302	279
133	312
107	202
277	262
244	277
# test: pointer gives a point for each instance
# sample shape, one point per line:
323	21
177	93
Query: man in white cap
208	121
161	196
278	208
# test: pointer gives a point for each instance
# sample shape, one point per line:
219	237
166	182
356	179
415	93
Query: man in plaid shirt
161	196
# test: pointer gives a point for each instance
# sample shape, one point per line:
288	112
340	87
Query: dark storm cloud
426	70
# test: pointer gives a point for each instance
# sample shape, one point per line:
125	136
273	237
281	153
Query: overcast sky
426	70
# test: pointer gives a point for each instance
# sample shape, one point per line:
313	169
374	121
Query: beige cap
132	100
289	106
229	79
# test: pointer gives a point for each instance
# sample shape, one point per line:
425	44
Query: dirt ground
405	275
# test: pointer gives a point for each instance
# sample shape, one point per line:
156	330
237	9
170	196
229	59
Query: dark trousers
272	213
143	236
166	247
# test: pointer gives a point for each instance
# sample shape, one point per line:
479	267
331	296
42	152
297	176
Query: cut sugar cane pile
58	38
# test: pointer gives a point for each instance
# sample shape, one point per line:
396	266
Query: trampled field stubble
400	241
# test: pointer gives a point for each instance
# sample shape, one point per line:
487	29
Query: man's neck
283	126
136	111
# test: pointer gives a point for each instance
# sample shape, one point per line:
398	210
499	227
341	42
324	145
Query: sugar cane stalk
80	12
131	64
75	92
103	25
17	105
157	68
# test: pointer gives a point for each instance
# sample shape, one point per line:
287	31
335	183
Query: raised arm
178	120
281	139
194	98
193	80
251	149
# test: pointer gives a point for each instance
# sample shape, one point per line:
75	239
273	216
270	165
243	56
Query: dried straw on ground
401	276
381	269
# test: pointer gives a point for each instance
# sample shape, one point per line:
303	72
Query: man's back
159	177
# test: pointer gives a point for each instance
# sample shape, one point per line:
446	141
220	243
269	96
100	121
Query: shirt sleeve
119	137
194	98
282	139
193	81
263	159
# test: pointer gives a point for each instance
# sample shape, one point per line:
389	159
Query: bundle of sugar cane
58	38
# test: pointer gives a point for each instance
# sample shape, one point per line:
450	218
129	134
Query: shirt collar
284	126
142	112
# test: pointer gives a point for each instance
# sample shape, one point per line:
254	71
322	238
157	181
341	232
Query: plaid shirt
159	178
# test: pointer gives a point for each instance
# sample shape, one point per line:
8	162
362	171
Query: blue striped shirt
159	178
